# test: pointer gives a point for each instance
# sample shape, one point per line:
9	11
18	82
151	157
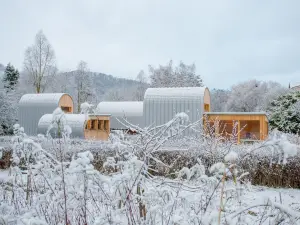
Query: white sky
228	40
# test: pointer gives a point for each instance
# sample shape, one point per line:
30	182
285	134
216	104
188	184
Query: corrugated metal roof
178	92
131	111
129	108
162	104
42	98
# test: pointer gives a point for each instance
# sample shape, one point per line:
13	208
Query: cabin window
250	130
206	108
93	124
66	109
100	122
105	124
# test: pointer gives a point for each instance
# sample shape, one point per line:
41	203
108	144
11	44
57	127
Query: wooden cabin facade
97	127
243	127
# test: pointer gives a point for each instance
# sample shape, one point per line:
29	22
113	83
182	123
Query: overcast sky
228	40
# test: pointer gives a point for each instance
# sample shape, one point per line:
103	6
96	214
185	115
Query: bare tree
253	95
182	75
83	84
142	86
39	62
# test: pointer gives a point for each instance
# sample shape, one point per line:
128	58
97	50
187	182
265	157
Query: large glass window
250	130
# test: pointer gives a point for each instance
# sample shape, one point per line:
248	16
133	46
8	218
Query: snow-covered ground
59	183
3	176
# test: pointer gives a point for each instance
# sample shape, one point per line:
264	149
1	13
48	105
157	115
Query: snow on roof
73	120
295	87
235	113
41	98
127	108
181	92
295	84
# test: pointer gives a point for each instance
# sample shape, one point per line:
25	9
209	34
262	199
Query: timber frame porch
243	126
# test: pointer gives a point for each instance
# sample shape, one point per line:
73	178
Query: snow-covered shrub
60	184
284	113
59	124
86	108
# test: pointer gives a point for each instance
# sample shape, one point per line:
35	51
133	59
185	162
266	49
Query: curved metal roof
75	121
42	98
177	93
129	108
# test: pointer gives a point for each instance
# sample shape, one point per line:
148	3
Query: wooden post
261	129
204	123
96	124
239	133
217	131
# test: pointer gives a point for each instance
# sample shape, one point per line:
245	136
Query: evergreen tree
285	113
10	78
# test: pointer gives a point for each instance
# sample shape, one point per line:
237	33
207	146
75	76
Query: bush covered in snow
285	113
55	181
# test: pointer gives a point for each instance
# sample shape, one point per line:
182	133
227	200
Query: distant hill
103	85
103	82
2	69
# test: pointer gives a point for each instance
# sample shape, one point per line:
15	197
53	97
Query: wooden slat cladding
98	128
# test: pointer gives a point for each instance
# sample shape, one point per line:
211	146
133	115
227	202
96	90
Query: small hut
33	106
130	111
162	104
241	126
96	127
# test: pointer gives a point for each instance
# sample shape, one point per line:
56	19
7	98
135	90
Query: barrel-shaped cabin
90	127
242	127
33	106
124	115
162	104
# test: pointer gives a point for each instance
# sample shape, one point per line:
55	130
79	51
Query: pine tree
11	78
285	113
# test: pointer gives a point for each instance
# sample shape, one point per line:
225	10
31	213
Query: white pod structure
33	106
162	104
131	111
82	126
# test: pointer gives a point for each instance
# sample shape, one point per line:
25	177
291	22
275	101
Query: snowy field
166	202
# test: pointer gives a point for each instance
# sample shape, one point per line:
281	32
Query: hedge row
262	171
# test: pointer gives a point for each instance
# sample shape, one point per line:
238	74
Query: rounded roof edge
42	98
71	119
124	108
181	92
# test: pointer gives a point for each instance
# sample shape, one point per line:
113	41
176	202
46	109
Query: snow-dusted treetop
178	92
46	98
127	108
